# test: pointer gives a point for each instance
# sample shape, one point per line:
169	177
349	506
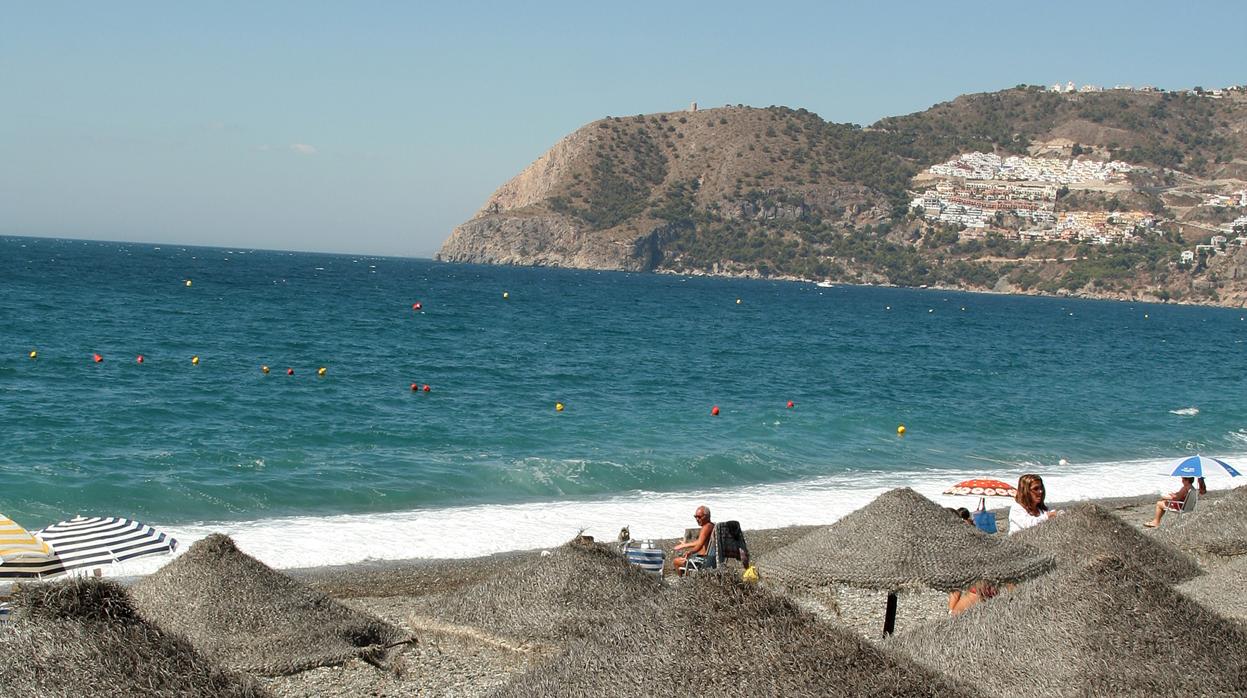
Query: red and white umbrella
983	487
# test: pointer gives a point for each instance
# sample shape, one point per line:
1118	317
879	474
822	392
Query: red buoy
415	387
416	306
290	372
790	404
140	359
426	387
715	410
97	358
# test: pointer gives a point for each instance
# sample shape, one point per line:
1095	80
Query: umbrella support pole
889	618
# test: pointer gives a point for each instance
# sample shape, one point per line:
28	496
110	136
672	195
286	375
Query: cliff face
615	193
547	240
519	226
780	192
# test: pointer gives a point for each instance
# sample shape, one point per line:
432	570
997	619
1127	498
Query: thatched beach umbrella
1218	527
1222	589
1085	531
252	618
82	637
716	636
900	541
550	599
1104	629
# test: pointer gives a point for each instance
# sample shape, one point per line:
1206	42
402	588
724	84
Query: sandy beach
449	660
527	623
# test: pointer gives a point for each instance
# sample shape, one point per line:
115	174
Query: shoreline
1151	300
381	578
453	660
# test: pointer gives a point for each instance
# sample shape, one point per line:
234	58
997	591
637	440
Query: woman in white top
1029	508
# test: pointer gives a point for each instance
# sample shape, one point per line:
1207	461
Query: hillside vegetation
781	192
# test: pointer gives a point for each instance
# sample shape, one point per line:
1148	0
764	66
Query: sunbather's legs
1160	511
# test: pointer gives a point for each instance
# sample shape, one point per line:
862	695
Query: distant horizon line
203	246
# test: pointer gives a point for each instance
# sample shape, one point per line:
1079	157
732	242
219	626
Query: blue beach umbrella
1195	465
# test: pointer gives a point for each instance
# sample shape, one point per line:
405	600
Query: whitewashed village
1020	197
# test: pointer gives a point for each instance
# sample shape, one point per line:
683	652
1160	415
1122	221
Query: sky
377	127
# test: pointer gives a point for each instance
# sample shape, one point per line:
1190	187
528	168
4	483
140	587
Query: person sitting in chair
1172	501
699	547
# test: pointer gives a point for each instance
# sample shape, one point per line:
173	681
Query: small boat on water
824	284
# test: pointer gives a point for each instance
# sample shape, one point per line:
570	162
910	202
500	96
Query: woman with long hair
1028	508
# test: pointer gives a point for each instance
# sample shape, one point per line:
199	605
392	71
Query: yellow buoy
737	301
900	431
558	407
264	369
505	295
188	282
34	354
320	371
195	360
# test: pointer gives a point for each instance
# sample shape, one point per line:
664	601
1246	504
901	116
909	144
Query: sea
304	467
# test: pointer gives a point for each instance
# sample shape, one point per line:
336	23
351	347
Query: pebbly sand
457	660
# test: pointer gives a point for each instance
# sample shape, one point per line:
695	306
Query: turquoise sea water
985	384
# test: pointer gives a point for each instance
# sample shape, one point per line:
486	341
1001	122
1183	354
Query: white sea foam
1186	411
469	531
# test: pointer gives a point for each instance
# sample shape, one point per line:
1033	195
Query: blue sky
376	128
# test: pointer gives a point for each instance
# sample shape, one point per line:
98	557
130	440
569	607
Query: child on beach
1029	508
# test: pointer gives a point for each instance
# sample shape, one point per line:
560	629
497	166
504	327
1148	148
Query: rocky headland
777	192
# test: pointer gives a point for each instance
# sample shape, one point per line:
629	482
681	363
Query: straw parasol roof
716	636
550	599
82	637
1222	588
1219	527
252	618
901	540
1102	629
1083	532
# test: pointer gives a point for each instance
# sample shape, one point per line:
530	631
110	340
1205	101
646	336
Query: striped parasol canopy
90	542
16	543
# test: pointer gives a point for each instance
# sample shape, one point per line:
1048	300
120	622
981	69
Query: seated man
1172	501
699	547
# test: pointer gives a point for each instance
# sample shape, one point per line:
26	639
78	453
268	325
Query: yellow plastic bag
750	575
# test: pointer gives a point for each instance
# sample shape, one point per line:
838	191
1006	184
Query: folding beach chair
727	543
1187	505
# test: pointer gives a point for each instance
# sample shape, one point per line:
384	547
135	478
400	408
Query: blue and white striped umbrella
84	543
1195	465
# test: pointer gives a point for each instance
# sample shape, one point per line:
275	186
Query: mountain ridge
778	192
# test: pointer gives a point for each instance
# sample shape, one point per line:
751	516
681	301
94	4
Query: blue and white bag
646	555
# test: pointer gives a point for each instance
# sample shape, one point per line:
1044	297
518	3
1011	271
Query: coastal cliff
778	192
